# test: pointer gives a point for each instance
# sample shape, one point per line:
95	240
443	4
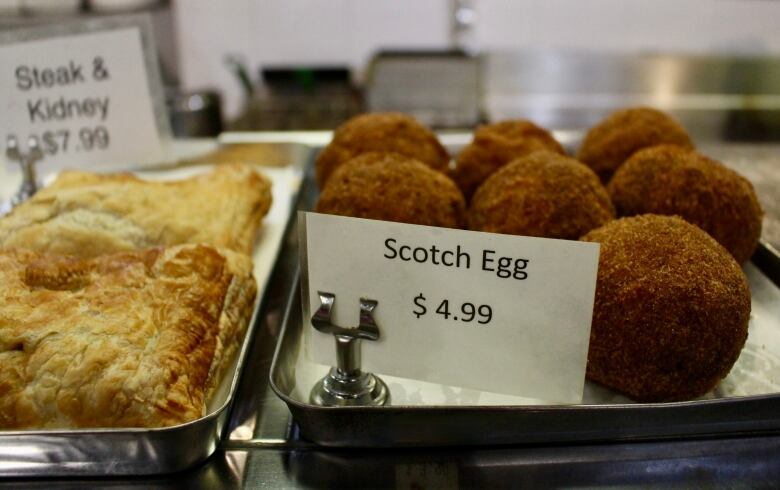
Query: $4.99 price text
466	312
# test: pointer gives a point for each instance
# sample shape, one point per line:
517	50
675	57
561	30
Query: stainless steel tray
734	407
103	452
447	425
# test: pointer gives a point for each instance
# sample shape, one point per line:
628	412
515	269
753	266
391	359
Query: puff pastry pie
136	339
87	215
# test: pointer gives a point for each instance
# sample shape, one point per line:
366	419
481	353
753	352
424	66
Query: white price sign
86	96
497	313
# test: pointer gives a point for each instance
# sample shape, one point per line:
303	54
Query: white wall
267	32
695	26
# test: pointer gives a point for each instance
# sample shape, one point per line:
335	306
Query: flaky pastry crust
86	214
137	339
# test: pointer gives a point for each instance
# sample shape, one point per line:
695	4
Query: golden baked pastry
267	155
136	339
87	214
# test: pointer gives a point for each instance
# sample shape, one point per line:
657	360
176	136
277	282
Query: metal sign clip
346	384
29	185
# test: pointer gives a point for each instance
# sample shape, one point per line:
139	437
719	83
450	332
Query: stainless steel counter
262	449
727	463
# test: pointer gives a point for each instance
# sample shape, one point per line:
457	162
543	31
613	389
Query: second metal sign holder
27	161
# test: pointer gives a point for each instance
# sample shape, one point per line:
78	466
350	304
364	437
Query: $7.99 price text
84	139
466	312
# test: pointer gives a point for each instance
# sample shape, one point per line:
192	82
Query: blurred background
297	64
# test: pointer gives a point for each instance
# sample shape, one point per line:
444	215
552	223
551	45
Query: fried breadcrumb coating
495	145
392	187
543	194
672	180
671	309
384	132
612	141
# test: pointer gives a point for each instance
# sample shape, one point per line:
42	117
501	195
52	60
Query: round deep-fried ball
671	310
495	145
543	194
392	187
672	180
612	141
383	132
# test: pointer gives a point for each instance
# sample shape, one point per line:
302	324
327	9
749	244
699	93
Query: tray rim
770	258
199	453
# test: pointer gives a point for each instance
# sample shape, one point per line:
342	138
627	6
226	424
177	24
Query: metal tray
610	418
741	404
141	451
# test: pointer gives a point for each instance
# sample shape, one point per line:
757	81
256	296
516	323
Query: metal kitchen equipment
346	384
296	97
194	114
716	97
440	88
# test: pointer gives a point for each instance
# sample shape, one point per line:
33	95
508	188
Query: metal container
195	114
98	452
449	425
440	88
735	408
142	451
